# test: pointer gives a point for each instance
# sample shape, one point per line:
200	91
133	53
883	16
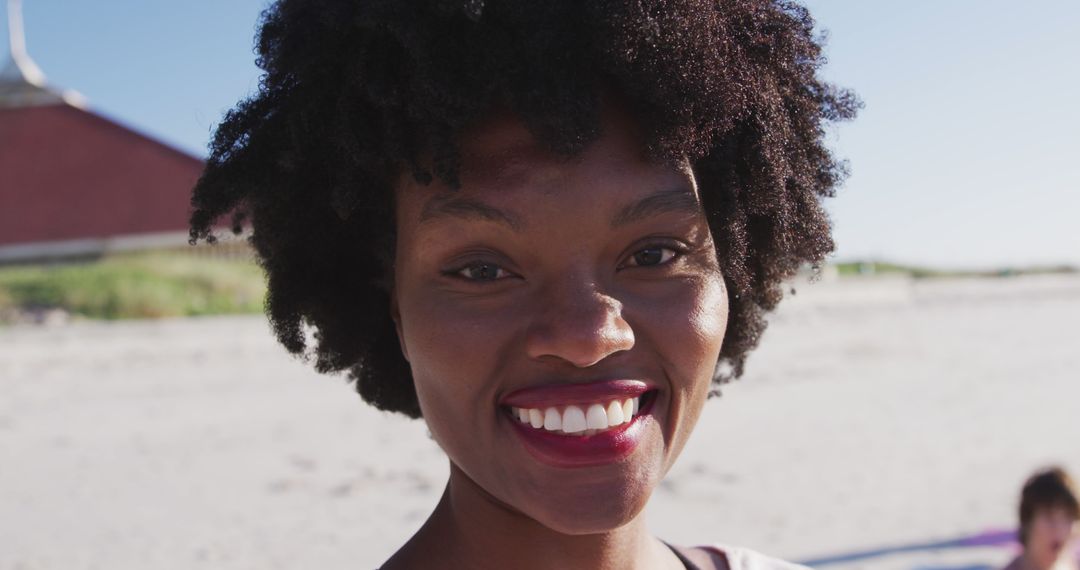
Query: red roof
68	174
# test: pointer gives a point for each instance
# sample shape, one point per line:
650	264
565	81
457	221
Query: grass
135	286
884	268
175	285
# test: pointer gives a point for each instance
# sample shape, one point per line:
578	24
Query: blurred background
898	401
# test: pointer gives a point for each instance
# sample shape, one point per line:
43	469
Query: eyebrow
680	200
445	205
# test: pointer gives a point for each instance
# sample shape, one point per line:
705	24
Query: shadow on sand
984	539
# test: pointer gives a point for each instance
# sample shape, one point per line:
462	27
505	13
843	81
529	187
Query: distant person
547	228
1049	523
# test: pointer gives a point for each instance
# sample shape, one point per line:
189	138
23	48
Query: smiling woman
614	304
549	229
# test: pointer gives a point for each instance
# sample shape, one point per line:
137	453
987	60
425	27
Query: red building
76	184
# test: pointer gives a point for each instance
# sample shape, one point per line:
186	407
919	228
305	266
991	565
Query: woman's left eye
655	255
482	272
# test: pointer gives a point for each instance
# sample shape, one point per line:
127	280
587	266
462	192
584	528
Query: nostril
578	323
579	340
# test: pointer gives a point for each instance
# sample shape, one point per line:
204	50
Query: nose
579	324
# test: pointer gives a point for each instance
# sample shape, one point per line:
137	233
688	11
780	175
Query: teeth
578	421
596	416
573	420
552	421
614	414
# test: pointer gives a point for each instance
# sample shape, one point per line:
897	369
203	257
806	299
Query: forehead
503	151
502	163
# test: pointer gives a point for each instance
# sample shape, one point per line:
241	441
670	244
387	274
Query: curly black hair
357	93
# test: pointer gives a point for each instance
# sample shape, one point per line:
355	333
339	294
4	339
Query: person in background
1049	516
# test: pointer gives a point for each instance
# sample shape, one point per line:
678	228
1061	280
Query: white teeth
552	421
596	417
579	420
573	420
614	414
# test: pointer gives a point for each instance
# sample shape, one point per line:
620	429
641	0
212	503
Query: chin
589	517
587	505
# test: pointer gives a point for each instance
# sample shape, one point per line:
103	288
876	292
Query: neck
471	529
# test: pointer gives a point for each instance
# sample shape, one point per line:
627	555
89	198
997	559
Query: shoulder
737	558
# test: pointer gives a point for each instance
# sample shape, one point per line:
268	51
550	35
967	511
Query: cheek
687	335
1044	532
454	352
686	330
708	321
690	331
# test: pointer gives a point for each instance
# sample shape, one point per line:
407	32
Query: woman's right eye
481	271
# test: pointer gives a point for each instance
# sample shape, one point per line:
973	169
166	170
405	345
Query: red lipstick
565	394
601	446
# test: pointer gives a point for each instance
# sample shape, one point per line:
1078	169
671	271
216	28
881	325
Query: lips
579	425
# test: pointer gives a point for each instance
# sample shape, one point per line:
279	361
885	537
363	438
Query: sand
878	414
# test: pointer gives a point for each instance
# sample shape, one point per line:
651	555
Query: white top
746	559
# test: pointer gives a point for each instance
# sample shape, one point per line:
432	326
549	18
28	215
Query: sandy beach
883	423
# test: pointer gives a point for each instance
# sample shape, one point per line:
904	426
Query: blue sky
966	153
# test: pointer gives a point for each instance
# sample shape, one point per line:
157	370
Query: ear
395	314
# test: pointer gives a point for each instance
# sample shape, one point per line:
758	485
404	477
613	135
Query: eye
481	271
653	255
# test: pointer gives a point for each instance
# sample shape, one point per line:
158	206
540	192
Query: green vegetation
134	286
175	285
882	268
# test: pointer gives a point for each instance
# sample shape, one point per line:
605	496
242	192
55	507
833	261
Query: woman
547	228
1049	522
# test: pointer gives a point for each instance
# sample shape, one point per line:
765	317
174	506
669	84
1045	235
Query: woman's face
1051	531
547	298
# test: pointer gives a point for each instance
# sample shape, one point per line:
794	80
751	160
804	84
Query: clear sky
967	152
